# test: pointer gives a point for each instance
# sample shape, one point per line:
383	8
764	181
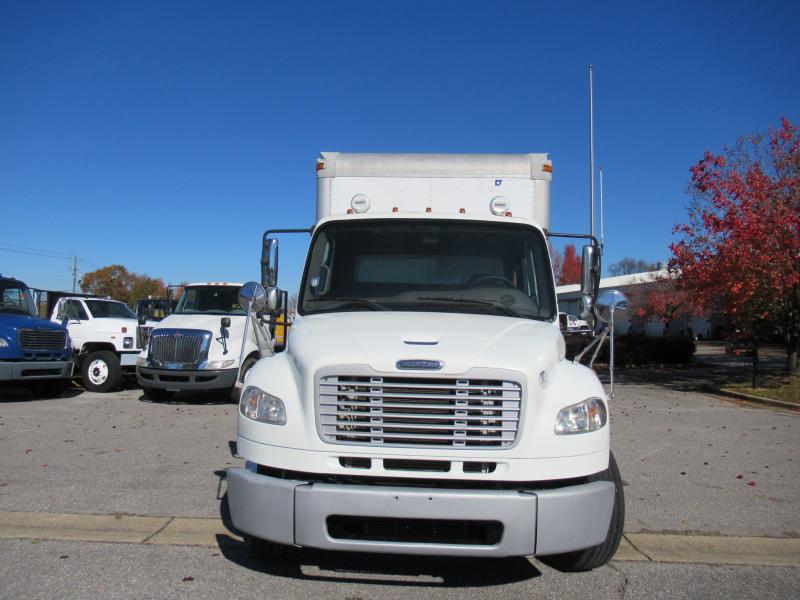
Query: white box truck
423	403
197	347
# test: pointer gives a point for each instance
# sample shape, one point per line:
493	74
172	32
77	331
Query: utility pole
74	273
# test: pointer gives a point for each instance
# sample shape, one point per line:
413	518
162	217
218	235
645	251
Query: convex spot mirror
609	300
226	321
252	296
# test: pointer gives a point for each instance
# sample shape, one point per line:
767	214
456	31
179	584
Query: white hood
211	323
207	322
460	341
113	326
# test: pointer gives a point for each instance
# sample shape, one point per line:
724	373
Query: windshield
153	309
212	300
104	309
440	266
17	299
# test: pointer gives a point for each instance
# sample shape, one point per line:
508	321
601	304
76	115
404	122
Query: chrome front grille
178	348
42	339
419	412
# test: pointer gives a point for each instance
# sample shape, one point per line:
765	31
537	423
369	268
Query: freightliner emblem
419	365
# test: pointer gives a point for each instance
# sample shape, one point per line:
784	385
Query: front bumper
537	522
35	370
177	380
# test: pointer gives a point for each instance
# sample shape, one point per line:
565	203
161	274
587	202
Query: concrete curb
210	532
741	396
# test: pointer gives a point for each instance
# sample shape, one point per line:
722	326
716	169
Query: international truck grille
419	412
42	339
178	346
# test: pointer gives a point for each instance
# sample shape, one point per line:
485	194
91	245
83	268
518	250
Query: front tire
248	363
596	556
101	371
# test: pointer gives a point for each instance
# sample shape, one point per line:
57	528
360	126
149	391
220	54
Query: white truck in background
423	403
103	334
197	347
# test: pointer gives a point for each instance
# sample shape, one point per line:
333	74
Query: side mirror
225	322
610	301
590	266
269	263
142	319
273	299
563	323
252	296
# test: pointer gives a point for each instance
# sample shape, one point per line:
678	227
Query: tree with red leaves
570	266
658	295
740	251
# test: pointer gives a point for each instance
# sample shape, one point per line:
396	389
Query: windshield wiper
355	301
505	309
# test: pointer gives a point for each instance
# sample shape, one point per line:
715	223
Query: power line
32	253
35	249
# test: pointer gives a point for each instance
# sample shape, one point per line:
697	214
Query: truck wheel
267	550
50	389
157	394
101	371
596	556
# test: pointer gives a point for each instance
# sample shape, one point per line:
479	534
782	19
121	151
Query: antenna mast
591	155
602	225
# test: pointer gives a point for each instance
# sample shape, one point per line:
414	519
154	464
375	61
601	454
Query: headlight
3	343
141	361
219	364
583	417
260	406
127	342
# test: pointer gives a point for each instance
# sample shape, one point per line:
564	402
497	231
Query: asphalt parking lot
711	491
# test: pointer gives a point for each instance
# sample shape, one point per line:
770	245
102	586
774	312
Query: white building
569	301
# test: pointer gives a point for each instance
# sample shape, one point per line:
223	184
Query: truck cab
197	347
34	353
103	334
423	403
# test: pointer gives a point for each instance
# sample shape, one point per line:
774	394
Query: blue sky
167	136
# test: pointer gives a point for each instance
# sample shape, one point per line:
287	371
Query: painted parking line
187	531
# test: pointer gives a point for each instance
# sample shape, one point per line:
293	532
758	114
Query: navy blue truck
34	353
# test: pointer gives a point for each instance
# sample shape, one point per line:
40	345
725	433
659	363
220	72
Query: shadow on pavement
196	398
711	368
23	394
382	569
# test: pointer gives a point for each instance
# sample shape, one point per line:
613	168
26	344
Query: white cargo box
475	184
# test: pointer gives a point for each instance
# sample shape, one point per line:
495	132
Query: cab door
77	322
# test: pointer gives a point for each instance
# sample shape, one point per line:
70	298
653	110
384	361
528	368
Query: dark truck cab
34	353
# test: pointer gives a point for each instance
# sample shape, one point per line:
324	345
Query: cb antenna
602	226
591	155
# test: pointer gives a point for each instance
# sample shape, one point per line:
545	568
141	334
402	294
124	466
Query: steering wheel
483	278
